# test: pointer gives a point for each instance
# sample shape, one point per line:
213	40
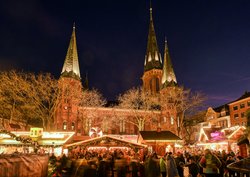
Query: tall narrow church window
88	124
122	126
64	125
105	124
154	85
73	126
151	85
172	120
157	85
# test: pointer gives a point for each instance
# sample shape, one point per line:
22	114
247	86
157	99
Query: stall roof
213	134
159	135
106	140
47	139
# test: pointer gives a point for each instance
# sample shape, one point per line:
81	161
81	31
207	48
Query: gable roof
214	134
159	135
106	140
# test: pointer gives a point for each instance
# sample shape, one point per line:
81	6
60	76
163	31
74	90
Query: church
158	78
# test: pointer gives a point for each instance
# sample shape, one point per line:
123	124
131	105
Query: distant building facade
232	114
238	109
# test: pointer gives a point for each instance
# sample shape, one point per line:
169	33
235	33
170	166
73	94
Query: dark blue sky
209	41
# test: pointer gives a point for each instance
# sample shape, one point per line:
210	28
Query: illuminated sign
52	135
216	134
36	132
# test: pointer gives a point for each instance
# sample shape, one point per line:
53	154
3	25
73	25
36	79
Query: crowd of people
127	163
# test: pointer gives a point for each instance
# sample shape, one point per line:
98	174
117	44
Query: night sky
209	41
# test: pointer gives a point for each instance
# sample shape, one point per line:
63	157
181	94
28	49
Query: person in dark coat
193	167
152	167
229	161
171	166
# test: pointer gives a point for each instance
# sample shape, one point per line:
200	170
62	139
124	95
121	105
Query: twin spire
153	57
71	64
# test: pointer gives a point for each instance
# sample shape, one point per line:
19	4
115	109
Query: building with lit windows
238	109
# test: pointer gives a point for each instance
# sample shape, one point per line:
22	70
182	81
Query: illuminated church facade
158	77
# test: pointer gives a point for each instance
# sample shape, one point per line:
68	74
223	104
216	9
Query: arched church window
157	84
154	85
64	125
151	85
73	126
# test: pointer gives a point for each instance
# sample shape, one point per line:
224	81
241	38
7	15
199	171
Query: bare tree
141	107
26	96
90	102
43	94
13	97
190	126
178	102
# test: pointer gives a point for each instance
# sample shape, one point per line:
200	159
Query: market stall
160	141
35	139
219	139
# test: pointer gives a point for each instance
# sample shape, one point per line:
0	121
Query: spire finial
150	9
74	25
166	43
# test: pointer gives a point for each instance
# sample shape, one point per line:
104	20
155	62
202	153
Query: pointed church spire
153	56
71	64
168	76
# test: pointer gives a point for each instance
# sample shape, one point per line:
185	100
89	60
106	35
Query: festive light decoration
25	140
95	132
105	141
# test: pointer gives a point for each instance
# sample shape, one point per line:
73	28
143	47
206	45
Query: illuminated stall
27	141
219	139
160	141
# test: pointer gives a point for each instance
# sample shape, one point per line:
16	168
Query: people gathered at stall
127	163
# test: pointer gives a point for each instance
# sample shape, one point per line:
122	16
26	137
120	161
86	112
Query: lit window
73	126
164	119
122	126
64	126
172	120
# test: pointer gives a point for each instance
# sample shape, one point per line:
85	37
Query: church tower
168	75
70	88
169	88
152	75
